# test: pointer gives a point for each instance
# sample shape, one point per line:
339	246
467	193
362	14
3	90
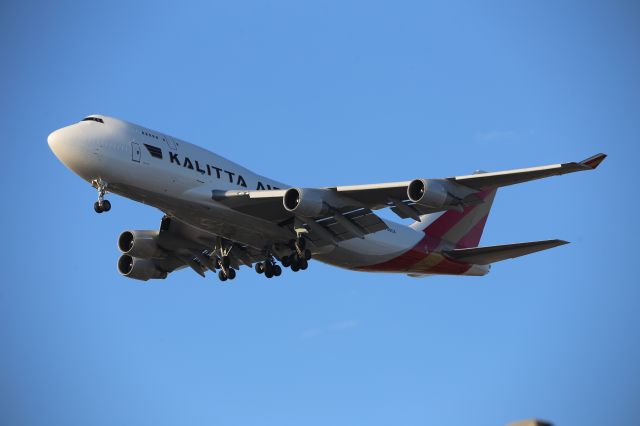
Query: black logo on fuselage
211	170
154	151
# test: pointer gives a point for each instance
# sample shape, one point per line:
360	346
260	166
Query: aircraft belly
234	226
210	217
374	248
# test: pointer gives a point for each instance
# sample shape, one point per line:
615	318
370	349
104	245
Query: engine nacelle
142	244
139	269
307	202
430	192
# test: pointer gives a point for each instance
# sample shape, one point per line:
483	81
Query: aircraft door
135	152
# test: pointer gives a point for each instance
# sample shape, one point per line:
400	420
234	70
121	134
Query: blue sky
314	94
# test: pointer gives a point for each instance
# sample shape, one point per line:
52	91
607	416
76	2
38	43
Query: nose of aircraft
73	147
54	141
64	144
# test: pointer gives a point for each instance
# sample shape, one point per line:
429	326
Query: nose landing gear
101	205
105	207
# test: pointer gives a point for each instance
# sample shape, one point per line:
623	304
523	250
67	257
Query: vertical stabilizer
462	228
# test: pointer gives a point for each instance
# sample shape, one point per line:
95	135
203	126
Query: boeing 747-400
219	215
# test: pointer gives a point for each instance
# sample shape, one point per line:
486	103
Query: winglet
594	161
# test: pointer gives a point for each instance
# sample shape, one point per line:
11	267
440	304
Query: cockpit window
99	120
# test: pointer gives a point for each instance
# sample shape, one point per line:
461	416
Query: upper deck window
99	120
151	135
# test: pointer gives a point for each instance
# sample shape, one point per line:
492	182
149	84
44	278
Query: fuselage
179	178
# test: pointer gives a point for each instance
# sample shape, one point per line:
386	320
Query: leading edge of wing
483	181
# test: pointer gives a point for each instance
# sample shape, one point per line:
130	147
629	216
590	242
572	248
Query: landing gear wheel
307	254
231	273
222	276
303	264
277	270
97	207
259	267
268	273
106	205
226	261
268	268
286	261
295	267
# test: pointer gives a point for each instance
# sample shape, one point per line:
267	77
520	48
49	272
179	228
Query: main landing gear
226	274
297	261
269	268
101	205
226	271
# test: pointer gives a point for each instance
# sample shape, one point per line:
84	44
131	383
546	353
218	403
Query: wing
510	177
332	214
332	218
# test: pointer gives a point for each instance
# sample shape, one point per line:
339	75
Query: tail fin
462	228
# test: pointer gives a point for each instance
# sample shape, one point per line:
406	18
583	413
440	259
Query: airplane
219	216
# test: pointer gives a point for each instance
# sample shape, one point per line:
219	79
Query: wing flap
365	219
492	254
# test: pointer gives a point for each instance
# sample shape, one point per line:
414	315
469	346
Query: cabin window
96	119
151	135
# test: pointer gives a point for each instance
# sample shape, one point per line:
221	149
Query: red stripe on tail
448	225
472	239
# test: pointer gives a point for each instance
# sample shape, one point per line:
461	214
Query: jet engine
142	244
139	269
430	192
306	202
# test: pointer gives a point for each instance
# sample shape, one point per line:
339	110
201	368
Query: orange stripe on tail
460	228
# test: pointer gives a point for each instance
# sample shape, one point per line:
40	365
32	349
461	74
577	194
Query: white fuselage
180	178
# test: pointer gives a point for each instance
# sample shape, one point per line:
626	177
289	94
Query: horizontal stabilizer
491	254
